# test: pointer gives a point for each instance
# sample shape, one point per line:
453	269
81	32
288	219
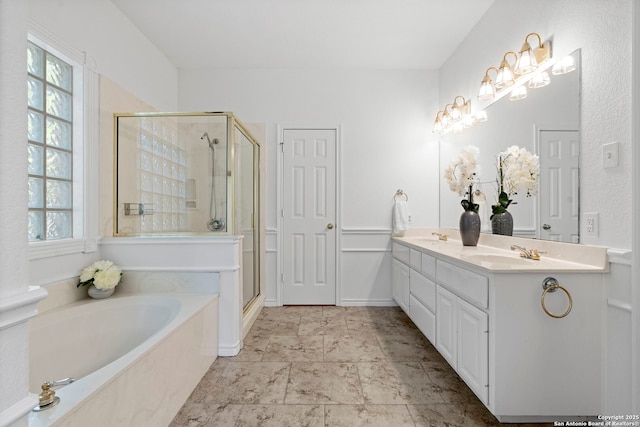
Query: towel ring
400	193
550	285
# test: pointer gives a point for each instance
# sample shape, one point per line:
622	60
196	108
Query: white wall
386	145
602	30
114	46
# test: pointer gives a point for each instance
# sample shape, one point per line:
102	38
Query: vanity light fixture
480	116
518	93
505	75
527	62
454	117
487	88
437	124
446	117
459	110
564	66
539	80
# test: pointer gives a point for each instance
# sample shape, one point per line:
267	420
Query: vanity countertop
493	252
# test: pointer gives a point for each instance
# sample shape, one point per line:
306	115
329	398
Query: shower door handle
330	226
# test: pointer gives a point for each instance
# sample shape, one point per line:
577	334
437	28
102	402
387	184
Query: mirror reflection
547	124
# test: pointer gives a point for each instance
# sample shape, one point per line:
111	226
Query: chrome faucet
526	253
440	236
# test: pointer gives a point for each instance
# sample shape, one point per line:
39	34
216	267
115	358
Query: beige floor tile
275	326
253	348
194	414
244	382
366	366
452	388
407	346
352	348
294	349
281	416
438	415
323	383
367	416
397	383
323	326
377	325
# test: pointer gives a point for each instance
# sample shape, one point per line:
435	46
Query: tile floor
333	366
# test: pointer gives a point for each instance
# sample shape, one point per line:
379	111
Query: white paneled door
309	216
559	185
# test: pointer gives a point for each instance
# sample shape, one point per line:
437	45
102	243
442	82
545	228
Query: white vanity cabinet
400	276
400	286
487	321
462	333
422	293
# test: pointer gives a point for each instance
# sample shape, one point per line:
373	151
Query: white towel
400	217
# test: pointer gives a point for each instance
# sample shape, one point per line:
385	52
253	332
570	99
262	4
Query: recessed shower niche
189	174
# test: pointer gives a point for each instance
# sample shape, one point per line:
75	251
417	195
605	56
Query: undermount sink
428	240
498	259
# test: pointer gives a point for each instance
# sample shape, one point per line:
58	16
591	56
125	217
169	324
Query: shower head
206	135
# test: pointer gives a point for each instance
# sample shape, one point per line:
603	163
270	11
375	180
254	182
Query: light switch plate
610	155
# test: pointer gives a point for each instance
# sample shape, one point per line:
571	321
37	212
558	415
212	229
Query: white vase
99	293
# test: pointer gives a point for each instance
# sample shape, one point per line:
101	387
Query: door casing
280	205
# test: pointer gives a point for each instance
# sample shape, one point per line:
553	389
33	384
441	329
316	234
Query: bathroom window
54	150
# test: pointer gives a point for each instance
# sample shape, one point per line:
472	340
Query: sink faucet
526	253
440	236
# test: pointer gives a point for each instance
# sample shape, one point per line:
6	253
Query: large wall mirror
547	123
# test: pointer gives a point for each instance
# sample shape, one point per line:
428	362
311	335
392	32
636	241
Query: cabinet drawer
401	252
424	319
423	289
429	266
416	259
471	286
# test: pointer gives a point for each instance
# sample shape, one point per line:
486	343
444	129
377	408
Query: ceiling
381	34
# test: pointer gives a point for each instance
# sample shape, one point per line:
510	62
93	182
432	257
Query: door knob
330	226
546	226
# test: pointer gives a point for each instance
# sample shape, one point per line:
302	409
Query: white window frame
85	138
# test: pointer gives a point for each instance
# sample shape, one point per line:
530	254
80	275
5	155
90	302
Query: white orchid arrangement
518	170
462	173
103	275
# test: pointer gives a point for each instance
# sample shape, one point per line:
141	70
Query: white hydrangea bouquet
104	275
518	171
462	173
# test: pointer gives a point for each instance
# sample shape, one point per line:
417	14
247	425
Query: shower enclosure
188	174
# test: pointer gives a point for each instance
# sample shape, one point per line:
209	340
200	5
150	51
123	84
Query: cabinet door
473	341
400	284
446	325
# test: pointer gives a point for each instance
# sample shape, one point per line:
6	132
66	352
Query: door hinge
282	146
282	213
281	277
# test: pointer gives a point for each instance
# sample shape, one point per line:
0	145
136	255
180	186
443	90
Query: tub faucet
48	398
526	253
440	236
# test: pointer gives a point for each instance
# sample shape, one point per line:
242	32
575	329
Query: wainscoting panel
271	275
618	396
365	273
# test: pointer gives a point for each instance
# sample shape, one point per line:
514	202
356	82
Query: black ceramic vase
469	228
502	224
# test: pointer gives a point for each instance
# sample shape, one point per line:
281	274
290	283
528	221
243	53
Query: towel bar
400	193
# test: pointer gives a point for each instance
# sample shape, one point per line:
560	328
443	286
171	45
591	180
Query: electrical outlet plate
610	155
591	224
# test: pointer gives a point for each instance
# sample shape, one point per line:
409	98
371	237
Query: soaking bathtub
135	357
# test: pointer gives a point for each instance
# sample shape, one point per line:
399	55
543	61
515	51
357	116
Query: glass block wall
50	145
